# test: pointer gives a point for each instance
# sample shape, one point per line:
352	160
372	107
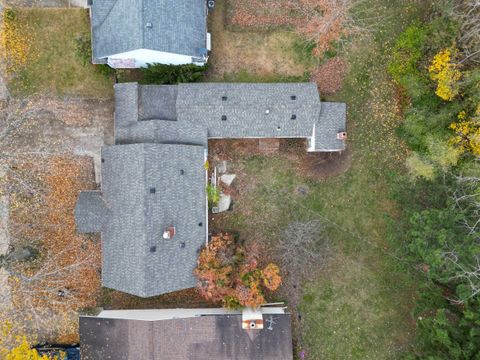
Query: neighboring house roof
119	26
148	188
215	337
232	110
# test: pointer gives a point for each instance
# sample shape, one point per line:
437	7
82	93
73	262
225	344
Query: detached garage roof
173	26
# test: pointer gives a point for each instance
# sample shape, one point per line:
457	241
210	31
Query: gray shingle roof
121	25
136	259
91	212
332	120
215	337
231	110
251	110
162	132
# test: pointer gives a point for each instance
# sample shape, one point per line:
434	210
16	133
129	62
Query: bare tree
327	21
303	249
468	275
468	13
466	198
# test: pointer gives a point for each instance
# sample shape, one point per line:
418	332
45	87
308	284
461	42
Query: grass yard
50	64
359	306
248	56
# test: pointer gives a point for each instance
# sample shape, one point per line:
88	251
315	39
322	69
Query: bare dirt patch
326	165
329	76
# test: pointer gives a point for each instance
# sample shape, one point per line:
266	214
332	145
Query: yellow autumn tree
17	347
467	132
445	72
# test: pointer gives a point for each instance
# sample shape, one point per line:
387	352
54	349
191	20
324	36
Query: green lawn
360	305
52	66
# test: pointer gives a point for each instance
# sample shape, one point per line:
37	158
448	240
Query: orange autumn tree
229	273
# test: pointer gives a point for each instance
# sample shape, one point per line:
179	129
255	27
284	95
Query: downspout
206	196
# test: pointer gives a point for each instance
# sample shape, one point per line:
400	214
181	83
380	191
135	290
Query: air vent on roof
267	111
153	249
152	190
103	160
224	98
252	319
148	25
182	244
278	128
293	117
293	97
224	117
182	172
200	224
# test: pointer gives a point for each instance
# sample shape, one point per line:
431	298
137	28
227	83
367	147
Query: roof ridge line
108	14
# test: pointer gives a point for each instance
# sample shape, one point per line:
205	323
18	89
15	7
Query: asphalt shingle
136	258
120	26
215	337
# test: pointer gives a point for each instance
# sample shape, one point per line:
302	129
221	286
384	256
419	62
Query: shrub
420	168
229	273
171	74
445	72
83	49
467	132
213	195
407	52
83	52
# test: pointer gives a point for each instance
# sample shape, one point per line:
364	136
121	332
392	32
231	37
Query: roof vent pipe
342	135
169	232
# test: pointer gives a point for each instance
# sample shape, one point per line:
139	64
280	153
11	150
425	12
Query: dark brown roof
196	338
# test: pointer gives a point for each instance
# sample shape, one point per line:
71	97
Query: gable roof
149	187
120	26
215	337
251	110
